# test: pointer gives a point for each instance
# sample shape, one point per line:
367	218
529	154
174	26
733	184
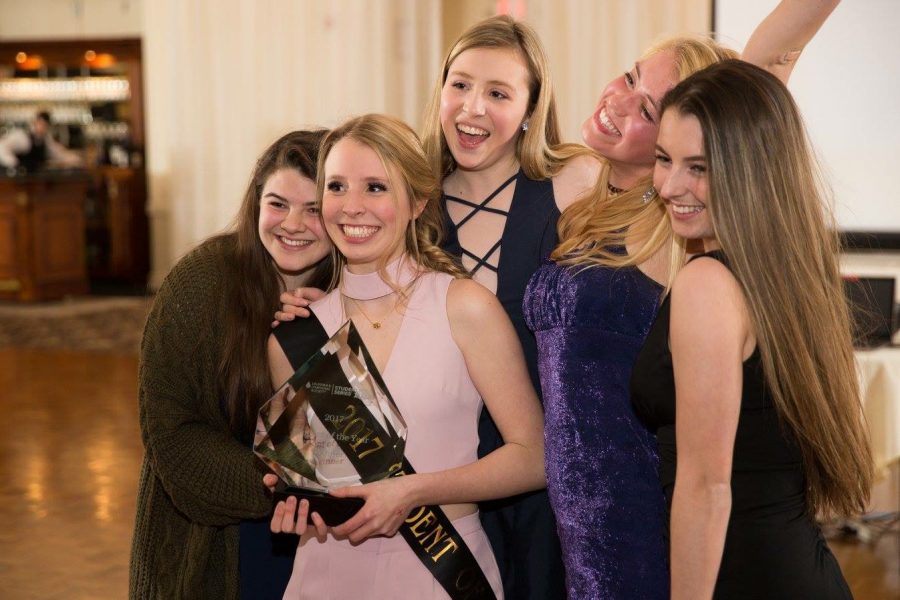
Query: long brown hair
768	209
254	284
538	149
596	225
400	150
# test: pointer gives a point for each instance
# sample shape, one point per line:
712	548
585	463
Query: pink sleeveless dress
428	378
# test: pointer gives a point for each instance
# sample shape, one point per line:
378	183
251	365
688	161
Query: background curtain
224	78
591	41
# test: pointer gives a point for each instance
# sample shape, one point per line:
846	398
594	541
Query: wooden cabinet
42	237
117	227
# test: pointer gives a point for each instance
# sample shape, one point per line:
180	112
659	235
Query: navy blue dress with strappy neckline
522	529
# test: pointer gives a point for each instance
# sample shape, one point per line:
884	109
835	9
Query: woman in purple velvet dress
601	462
591	309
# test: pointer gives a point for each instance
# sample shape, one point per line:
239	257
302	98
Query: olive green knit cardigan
197	481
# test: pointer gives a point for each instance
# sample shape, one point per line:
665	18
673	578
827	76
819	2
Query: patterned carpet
92	324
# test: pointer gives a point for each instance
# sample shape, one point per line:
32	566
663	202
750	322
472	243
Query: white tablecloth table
879	374
879	378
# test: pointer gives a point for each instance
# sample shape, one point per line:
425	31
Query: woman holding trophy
443	343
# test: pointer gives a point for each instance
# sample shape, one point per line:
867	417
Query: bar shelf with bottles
93	90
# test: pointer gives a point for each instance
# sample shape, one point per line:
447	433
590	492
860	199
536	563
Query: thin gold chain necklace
374	324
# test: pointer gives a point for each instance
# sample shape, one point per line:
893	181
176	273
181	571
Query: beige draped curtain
225	77
591	41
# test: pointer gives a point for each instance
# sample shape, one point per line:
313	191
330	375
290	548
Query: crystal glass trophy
332	424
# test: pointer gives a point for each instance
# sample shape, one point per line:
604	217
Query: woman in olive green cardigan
203	375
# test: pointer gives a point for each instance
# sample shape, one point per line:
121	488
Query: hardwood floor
70	454
872	571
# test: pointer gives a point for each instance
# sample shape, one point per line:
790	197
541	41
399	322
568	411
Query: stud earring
524	125
648	195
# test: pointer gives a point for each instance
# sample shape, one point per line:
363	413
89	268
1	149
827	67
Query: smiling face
289	225
625	123
680	177
365	207
484	102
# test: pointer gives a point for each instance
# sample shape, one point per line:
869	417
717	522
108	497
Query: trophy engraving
332	424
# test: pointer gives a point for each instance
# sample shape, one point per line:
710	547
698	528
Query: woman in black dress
753	347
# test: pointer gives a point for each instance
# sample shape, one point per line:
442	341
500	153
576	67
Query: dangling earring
648	195
524	125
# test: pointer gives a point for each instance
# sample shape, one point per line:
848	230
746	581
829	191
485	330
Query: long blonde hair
538	149
594	227
400	151
767	205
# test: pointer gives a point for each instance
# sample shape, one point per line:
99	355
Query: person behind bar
35	148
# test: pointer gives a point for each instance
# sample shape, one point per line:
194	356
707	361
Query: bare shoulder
704	276
576	178
478	323
708	292
469	302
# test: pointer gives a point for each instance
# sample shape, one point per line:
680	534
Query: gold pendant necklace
374	324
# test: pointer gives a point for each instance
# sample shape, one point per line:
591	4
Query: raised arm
708	336
777	42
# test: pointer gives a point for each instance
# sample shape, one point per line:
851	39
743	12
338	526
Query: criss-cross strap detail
481	261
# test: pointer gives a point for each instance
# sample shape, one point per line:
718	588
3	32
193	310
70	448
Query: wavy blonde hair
769	214
594	227
401	153
538	149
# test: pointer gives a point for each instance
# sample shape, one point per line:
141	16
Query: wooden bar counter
42	235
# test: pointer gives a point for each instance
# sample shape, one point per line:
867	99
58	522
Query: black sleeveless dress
773	548
522	529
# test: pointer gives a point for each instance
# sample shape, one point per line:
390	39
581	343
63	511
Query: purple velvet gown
601	462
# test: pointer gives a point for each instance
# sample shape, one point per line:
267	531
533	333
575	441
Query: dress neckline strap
719	255
482	261
369	286
483	205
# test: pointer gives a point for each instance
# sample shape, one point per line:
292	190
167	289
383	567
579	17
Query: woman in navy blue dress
492	134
